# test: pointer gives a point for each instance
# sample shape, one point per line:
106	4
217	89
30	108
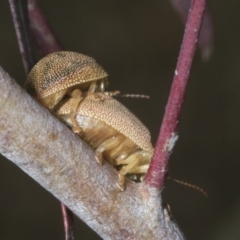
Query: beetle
115	133
56	74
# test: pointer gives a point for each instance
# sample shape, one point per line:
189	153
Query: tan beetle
111	129
57	73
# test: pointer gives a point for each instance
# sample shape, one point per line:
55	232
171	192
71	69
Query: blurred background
138	42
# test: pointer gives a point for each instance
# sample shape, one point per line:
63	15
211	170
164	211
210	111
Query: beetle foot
99	158
120	183
76	129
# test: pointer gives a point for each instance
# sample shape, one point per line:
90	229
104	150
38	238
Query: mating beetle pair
72	85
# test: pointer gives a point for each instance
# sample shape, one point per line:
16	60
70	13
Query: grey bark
44	148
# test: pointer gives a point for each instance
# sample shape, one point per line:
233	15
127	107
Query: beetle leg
76	98
135	157
99	157
67	111
75	128
134	164
93	86
121	180
102	86
140	169
120	158
77	93
131	162
96	86
141	166
104	146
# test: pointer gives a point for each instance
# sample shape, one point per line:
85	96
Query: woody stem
168	132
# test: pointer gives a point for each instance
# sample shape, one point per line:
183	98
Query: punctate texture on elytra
55	74
115	133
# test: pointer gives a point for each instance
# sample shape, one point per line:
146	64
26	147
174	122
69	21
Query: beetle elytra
112	130
57	73
72	85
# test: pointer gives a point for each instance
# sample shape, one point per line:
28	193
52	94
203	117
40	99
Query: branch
58	160
168	133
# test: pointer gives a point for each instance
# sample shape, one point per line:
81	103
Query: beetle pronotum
79	99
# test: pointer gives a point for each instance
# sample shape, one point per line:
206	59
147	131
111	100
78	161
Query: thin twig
205	42
20	19
168	133
68	222
42	32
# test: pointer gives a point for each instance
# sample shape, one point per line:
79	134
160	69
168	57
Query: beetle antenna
189	185
118	94
135	96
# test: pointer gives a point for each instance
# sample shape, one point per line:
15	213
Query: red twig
68	222
42	32
205	42
168	133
